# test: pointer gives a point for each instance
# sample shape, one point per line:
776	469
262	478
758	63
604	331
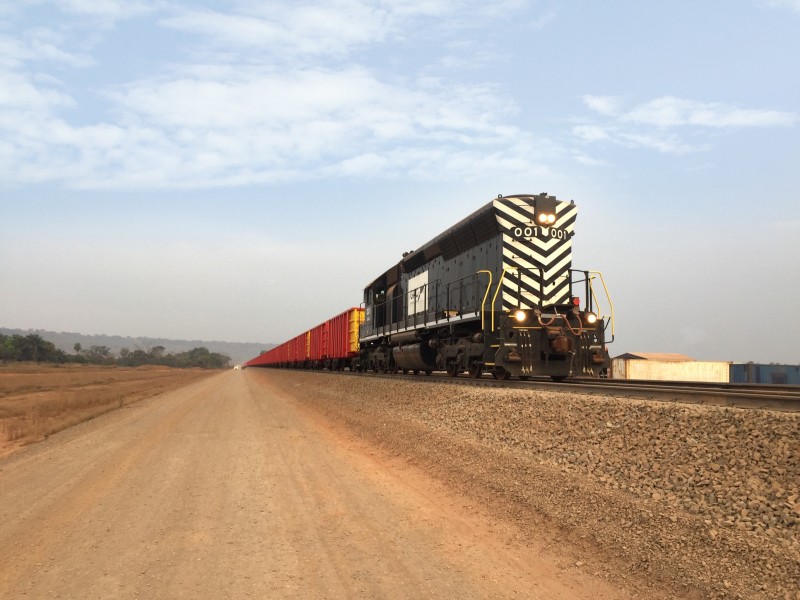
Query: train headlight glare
591	318
542	218
520	316
551	219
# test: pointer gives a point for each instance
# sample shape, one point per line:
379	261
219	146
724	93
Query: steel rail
752	397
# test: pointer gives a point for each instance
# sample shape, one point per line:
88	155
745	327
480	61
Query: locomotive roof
474	229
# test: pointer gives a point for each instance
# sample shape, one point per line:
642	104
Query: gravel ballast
703	502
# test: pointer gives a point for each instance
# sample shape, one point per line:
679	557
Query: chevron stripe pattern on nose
537	259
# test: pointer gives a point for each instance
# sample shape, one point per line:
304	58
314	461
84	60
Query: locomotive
494	293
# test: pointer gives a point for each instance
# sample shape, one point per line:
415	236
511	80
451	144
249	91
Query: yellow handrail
499	286
486	295
608	297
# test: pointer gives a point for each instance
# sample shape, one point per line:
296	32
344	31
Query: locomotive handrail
499	286
485	295
608	297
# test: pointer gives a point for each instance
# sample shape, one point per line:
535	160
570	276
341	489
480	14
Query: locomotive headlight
520	316
546	218
590	318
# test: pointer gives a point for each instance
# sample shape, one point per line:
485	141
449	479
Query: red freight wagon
318	346
268	358
330	345
342	338
334	343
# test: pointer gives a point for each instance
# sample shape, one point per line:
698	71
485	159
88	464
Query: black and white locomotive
494	293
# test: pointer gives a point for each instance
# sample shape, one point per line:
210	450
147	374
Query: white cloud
653	124
543	21
240	116
305	30
605	105
793	5
223	126
19	93
108	9
668	144
38	45
590	133
669	111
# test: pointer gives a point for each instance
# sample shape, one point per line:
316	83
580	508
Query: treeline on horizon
34	348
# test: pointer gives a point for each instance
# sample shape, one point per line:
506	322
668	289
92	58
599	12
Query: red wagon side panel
342	333
335	339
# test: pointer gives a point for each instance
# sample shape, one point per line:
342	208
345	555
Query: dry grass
37	401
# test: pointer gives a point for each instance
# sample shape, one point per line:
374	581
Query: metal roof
665	356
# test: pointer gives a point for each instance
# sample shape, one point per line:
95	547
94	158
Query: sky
240	170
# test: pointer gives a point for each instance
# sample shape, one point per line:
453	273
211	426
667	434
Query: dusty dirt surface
680	500
39	400
241	485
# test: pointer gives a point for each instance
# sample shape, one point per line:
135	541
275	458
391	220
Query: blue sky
239	170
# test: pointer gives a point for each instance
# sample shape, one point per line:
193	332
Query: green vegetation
34	348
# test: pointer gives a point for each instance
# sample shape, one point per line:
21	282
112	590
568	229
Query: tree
156	354
99	354
35	348
8	350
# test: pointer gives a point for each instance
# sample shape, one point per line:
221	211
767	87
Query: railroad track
766	397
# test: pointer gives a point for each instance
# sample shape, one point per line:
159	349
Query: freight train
494	293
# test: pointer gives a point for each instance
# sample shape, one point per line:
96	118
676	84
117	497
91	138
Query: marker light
520	316
576	301
590	318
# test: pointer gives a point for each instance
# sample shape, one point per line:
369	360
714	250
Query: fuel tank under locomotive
415	357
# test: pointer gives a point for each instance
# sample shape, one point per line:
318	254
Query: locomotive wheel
452	369
475	371
416	371
501	373
405	371
428	371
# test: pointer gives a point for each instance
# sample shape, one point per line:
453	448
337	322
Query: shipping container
769	374
682	369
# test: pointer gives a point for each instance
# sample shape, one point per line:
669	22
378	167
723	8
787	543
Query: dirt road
228	488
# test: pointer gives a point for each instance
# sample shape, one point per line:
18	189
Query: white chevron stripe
551	254
546	273
533	260
511	296
530	247
529	281
526	280
521	211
